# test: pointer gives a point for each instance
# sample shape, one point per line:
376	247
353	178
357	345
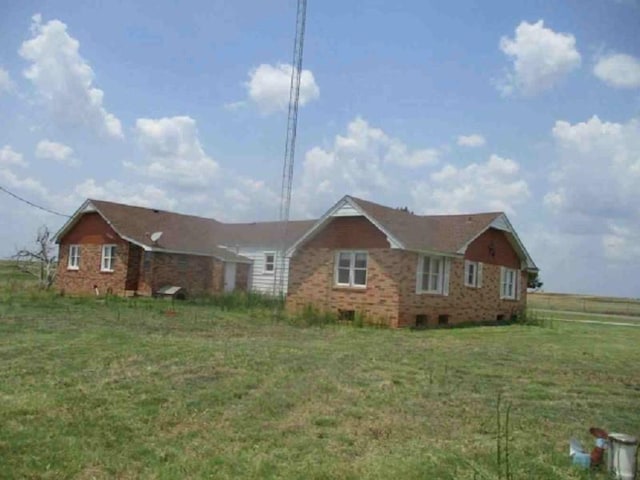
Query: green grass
584	303
95	388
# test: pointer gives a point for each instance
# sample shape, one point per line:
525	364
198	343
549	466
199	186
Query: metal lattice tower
290	144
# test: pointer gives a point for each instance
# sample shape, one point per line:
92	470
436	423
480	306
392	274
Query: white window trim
443	279
112	257
71	265
265	271
515	291
477	274
352	269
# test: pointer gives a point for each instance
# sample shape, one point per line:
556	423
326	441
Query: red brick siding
390	294
82	281
480	250
463	304
349	232
311	281
242	276
91	229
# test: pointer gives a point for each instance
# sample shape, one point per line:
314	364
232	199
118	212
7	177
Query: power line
33	204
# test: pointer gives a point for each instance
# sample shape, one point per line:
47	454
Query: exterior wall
191	272
91	233
313	283
462	304
243	272
259	280
390	294
466	304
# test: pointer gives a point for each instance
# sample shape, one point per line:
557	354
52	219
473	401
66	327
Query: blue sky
528	107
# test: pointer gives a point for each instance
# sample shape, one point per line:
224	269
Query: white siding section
501	224
259	280
346	210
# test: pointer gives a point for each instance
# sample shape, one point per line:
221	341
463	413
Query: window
508	283
269	262
351	269
108	258
472	274
74	257
443	319
433	275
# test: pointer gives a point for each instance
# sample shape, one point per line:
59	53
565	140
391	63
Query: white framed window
472	274
351	269
74	257
509	283
108	258
433	275
269	263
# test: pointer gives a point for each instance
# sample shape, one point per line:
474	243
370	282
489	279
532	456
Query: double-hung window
472	274
74	257
508	283
433	275
351	269
108	258
269	263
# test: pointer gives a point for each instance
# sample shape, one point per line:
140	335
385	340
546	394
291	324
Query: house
402	269
108	247
360	257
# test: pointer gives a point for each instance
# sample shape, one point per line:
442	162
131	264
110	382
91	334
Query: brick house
111	247
403	269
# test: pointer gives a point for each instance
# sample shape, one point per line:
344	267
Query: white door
229	276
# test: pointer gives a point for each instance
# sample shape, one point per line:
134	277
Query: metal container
622	459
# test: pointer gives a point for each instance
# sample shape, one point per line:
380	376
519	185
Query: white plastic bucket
622	456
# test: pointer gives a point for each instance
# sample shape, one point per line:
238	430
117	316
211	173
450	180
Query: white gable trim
501	222
344	208
86	206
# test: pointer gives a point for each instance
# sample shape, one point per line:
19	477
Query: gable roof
187	234
444	234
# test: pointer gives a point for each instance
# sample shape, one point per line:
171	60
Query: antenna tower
290	144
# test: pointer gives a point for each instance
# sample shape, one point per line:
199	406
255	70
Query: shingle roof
188	233
440	233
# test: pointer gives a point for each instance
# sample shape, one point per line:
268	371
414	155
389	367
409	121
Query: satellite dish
155	236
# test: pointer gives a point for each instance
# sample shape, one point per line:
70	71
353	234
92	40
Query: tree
533	281
39	261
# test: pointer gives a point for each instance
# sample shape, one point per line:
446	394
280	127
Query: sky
531	108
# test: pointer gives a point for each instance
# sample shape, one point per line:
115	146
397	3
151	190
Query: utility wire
33	204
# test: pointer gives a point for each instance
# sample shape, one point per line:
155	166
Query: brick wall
311	281
242	276
463	304
390	294
83	280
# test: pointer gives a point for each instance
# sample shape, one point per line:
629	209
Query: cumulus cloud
63	79
541	58
6	84
493	185
618	70
473	140
361	162
10	158
594	183
143	195
173	153
268	87
58	152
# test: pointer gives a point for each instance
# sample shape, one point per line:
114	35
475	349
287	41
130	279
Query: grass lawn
101	389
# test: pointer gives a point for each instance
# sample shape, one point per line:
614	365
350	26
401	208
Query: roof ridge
153	209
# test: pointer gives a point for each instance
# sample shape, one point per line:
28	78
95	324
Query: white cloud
63	79
268	87
493	185
595	181
473	140
541	58
618	70
6	84
56	151
143	195
173	152
10	158
364	162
